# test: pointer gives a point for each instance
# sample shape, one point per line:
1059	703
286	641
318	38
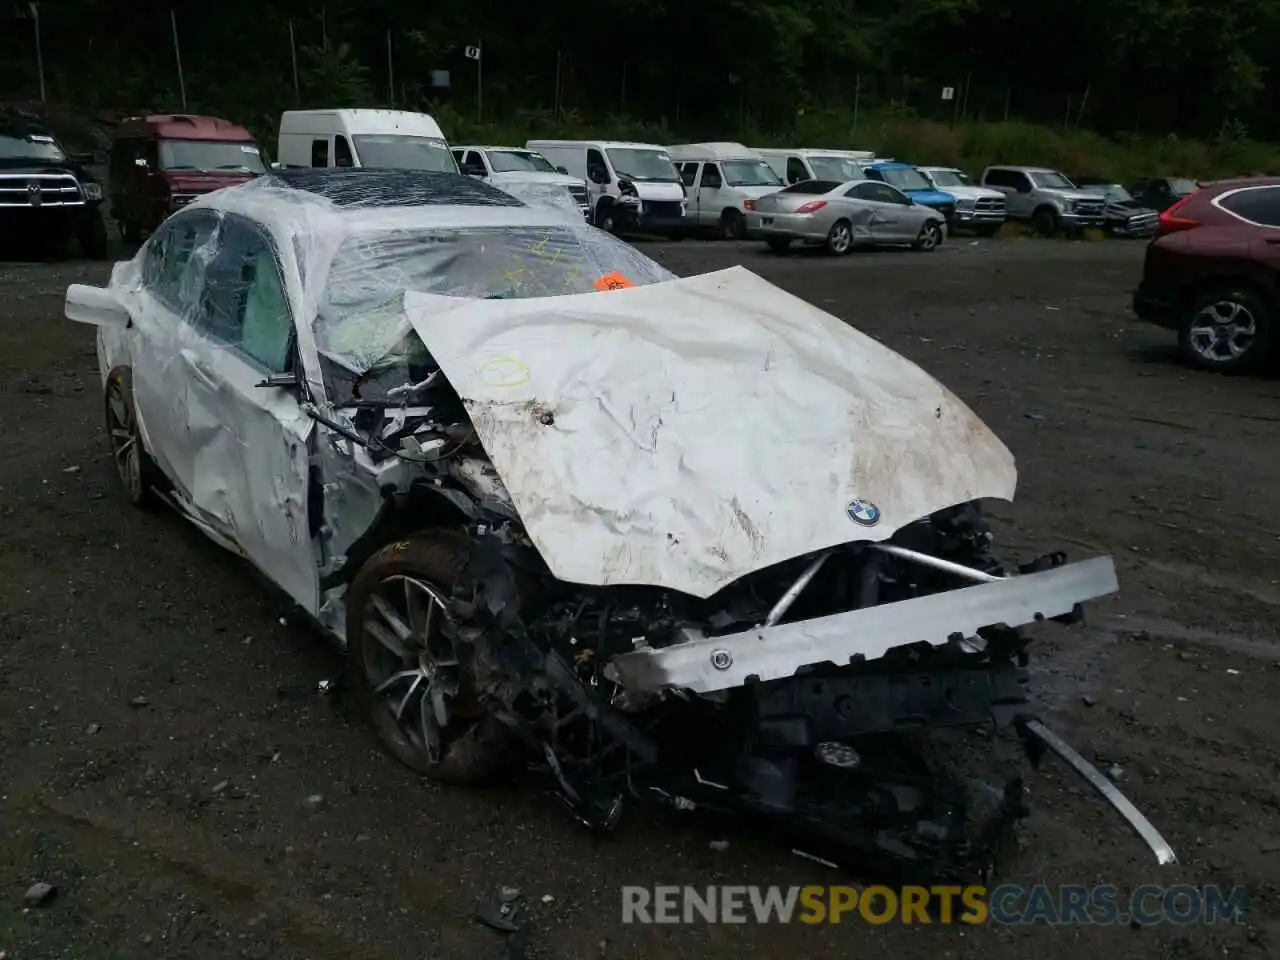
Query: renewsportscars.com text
1007	904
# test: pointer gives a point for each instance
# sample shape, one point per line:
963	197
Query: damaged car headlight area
686	542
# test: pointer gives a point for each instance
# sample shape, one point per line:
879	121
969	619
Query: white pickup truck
979	209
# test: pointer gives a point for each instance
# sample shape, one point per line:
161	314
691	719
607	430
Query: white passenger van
382	139
721	178
813	164
633	186
503	166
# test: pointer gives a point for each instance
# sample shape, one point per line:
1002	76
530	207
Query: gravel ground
163	732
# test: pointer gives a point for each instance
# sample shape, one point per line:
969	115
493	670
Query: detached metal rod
782	606
1108	790
924	559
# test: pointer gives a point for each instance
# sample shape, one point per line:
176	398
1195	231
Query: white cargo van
813	164
632	185
501	166
383	139
721	178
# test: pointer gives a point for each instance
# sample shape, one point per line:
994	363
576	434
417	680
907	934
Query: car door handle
198	370
1274	241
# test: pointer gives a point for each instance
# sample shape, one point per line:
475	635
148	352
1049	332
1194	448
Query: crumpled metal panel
688	433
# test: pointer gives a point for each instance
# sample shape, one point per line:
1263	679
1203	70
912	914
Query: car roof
306	202
489	146
182	126
364	187
1005	166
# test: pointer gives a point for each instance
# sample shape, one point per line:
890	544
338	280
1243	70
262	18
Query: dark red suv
1212	273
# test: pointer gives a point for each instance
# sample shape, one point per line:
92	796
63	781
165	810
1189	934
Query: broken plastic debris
38	894
499	916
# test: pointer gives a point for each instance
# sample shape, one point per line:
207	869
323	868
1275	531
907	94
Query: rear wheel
1230	329
733	225
930	237
414	677
134	468
839	238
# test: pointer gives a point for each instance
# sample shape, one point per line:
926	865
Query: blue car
914	184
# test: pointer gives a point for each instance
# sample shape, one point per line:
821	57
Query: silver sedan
841	216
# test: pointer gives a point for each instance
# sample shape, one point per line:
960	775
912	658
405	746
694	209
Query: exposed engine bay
831	753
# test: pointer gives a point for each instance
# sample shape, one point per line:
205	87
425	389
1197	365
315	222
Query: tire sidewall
436	557
831	237
1260	352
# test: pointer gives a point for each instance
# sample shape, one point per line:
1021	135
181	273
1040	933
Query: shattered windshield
638	163
211	155
393	151
519	161
363	332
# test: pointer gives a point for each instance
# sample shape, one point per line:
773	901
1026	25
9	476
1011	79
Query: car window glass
245	305
795	170
811	187
1261	205
342	152
175	260
862	191
711	176
688	173
597	170
1000	178
319	153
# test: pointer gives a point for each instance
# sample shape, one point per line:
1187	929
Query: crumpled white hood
687	433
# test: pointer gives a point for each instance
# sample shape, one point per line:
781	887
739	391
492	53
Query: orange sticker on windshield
613	281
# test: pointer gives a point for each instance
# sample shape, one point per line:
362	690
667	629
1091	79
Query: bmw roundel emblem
863	512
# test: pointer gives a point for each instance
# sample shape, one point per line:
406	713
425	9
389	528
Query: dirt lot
162	728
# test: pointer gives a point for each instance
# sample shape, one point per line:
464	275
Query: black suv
46	195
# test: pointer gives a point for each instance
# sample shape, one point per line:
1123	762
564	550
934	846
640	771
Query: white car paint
703	428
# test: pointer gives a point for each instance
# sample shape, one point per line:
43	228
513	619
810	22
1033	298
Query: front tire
135	470
1228	329
606	218
414	680
1046	222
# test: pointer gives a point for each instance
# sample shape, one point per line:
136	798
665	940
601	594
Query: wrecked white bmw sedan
689	541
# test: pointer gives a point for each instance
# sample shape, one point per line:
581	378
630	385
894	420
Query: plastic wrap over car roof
350	243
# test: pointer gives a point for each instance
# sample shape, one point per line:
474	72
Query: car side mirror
563	170
473	170
84	159
95	306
